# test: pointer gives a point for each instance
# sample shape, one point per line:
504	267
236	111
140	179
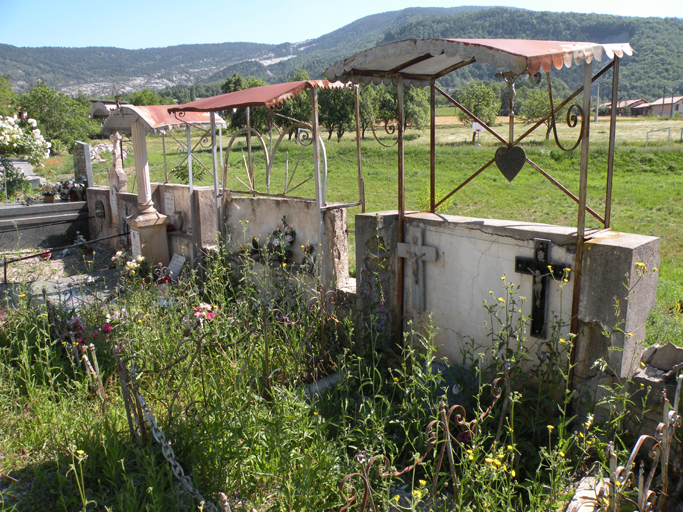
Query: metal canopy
419	61
269	96
155	118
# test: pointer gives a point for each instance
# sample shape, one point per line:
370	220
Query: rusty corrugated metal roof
154	117
269	96
419	61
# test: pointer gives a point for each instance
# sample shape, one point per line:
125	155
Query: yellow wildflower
422	483
513	473
510	447
550	427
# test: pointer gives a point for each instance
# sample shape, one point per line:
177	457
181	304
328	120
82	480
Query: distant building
666	107
623	105
100	109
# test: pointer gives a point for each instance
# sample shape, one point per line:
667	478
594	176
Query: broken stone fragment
666	357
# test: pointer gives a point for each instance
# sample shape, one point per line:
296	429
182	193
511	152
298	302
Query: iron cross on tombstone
540	268
417	254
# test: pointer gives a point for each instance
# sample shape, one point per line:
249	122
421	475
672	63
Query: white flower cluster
134	265
26	140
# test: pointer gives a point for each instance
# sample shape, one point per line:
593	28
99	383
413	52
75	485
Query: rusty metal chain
184	480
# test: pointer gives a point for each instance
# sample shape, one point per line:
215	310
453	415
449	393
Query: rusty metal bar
561	105
320	202
581	221
485	166
612	137
250	170
264	194
565	190
472	116
432	148
401	209
340	206
361	191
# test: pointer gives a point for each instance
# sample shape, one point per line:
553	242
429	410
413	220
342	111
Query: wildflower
497	462
617	483
489	460
284	264
422	483
566	280
22	295
315	413
502	278
396	498
417	493
80	452
246	222
561	454
106	328
567	270
510	447
642	364
562	340
43	314
513	473
501	299
471	457
395	379
490	292
551	428
581	435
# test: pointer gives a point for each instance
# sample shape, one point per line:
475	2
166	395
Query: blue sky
144	24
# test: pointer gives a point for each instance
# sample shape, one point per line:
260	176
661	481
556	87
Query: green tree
147	97
336	111
481	99
61	119
258	116
299	107
534	104
415	106
8	99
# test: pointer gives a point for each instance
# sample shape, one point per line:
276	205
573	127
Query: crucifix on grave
540	268
417	254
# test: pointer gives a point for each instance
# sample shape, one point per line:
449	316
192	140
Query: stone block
667	357
616	297
82	163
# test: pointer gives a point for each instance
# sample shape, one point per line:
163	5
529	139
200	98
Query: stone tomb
453	263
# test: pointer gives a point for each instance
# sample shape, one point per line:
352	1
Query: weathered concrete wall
108	226
41	224
246	218
473	255
204	209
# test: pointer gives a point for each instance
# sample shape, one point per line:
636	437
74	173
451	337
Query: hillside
657	64
658	43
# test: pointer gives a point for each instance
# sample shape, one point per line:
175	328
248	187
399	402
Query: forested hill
657	63
317	54
658	43
95	70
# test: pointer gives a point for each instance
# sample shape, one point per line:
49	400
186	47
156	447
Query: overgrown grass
227	390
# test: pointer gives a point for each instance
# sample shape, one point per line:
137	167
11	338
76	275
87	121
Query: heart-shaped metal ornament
510	161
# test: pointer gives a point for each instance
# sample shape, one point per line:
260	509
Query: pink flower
210	315
107	328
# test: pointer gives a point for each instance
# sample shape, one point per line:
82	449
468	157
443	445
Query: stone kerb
472	256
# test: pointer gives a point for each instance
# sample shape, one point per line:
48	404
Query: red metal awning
155	118
419	61
269	96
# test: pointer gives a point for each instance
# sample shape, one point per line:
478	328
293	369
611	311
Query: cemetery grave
471	364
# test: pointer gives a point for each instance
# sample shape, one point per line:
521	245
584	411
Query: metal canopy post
316	171
250	170
214	162
612	136
401	209
361	191
432	148
163	146
581	221
189	175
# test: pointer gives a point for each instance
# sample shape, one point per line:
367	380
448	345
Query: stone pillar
145	203
148	227
82	164
376	272
117	175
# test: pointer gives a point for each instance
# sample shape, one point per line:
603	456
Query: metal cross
540	269
417	254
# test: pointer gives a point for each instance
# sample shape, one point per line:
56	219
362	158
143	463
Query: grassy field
647	197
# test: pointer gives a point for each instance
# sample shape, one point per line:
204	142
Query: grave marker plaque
136	247
82	163
113	202
176	265
169	203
